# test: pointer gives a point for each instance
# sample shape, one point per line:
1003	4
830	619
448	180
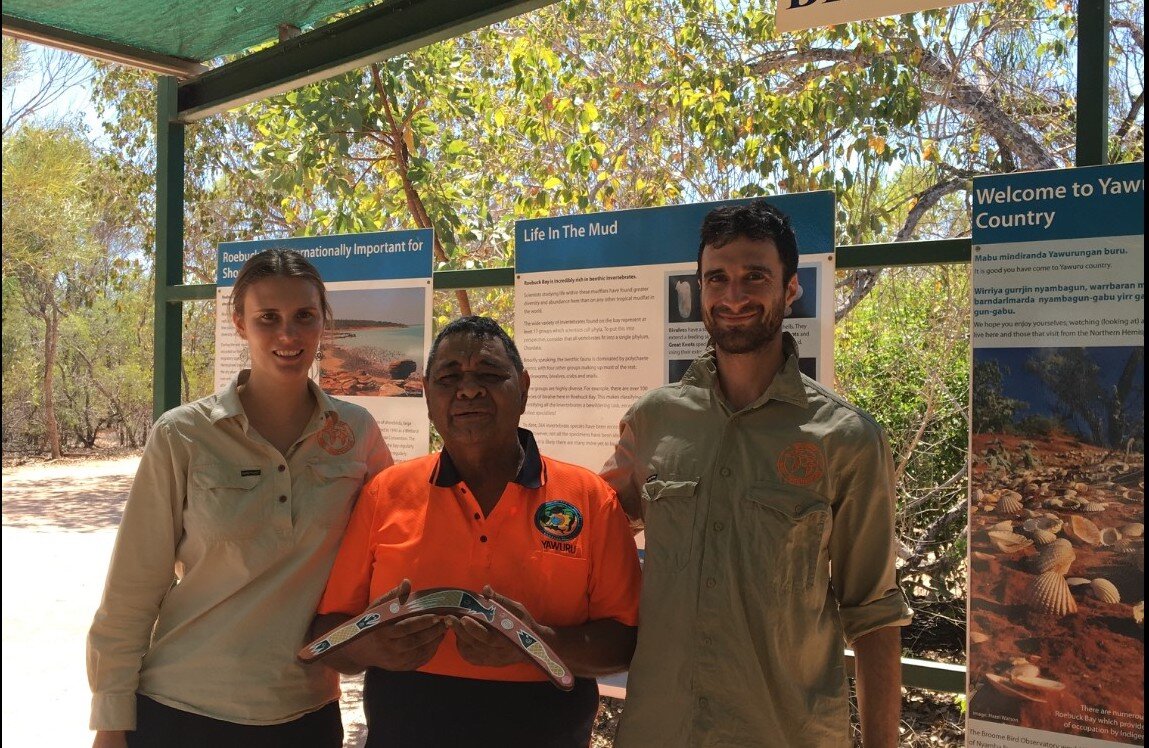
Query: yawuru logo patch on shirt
560	521
801	464
336	437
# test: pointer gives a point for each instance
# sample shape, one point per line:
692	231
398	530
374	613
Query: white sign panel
807	14
379	288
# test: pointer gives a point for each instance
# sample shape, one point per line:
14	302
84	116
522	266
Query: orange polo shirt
558	542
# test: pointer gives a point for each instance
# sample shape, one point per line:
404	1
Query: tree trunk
51	338
397	141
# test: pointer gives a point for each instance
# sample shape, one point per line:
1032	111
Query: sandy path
59	525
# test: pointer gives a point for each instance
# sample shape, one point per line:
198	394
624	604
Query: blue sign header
380	255
1092	201
654	236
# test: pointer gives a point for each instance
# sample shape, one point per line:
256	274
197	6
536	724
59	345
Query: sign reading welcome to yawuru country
1056	653
807	14
379	289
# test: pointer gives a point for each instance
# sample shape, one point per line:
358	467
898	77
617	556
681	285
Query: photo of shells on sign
1057	547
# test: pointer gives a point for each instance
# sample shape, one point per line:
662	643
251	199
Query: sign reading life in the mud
379	288
1057	549
608	306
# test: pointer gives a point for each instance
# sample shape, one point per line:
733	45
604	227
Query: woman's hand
111	739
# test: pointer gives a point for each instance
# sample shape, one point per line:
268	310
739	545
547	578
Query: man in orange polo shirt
548	539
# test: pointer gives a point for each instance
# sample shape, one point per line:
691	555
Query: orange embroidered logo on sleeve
801	464
336	437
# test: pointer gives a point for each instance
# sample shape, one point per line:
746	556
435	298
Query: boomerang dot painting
447	601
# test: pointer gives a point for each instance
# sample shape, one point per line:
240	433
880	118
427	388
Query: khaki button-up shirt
769	546
220	560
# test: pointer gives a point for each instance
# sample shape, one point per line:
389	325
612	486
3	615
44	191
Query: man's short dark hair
480	328
759	221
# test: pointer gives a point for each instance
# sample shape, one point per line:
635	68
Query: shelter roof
310	39
188	31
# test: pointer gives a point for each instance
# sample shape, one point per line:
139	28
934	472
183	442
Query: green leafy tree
993	412
902	354
591	106
70	224
48	241
108	350
23	427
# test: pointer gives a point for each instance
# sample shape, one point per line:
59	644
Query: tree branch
983	106
925	200
414	201
1131	118
930	537
1135	31
861	282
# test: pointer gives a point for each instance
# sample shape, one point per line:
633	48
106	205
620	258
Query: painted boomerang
454	601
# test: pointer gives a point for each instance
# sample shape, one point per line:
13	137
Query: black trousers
160	726
418	710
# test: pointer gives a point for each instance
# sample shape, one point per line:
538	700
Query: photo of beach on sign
375	346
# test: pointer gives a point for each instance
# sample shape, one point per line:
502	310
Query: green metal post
1092	82
169	267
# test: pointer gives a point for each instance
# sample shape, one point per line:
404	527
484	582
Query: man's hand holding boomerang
480	645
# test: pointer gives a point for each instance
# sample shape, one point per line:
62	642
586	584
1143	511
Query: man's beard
748	337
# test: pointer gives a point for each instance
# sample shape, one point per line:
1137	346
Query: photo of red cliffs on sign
375	346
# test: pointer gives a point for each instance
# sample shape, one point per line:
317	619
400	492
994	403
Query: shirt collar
228	404
788	385
530	474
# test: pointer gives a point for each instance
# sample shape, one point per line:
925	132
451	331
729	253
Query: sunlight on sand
59	526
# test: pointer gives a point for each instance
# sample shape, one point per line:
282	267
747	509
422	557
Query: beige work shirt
221	557
769	547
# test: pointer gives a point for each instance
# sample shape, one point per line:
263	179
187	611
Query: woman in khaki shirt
226	541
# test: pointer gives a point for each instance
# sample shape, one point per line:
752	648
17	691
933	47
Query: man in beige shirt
768	504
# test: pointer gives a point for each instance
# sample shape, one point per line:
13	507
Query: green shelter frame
189	92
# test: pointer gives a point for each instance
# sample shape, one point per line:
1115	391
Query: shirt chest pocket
224	502
670	509
334	487
559	587
789	529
